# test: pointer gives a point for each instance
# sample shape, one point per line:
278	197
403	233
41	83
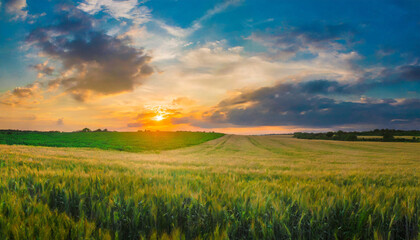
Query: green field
381	137
124	141
371	137
233	187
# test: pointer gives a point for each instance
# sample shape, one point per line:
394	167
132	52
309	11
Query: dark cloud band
310	104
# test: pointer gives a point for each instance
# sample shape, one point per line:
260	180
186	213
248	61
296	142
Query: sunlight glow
158	118
160	112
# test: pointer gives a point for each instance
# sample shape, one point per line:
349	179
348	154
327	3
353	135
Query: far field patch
123	141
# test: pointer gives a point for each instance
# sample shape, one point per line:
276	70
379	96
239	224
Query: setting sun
158	118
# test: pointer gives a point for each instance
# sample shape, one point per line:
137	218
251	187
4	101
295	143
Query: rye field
231	187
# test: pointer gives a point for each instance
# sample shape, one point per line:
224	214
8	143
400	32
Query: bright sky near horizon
234	66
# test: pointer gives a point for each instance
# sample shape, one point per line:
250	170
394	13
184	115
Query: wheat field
233	187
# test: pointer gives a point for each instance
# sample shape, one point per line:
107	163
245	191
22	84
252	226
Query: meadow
233	187
123	141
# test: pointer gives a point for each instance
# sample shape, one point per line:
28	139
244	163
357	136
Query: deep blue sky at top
392	27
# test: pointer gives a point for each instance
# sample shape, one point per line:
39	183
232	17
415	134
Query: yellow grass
246	187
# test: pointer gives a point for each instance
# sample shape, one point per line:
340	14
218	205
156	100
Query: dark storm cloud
314	87
102	64
403	73
329	87
310	105
410	72
317	35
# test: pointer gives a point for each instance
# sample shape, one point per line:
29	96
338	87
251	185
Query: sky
232	66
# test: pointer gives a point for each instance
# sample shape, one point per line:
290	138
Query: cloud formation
17	8
261	64
310	104
183	101
43	69
101	64
134	125
126	9
29	94
287	42
409	73
22	92
60	121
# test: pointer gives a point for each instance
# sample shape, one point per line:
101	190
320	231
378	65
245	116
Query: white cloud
160	45
128	9
197	24
163	41
210	13
212	71
173	30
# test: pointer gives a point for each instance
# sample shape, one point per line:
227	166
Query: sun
158	113
158	118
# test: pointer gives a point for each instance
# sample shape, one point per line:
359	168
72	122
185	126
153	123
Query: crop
124	141
237	187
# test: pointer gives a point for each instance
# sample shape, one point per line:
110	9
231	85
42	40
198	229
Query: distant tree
98	130
330	134
86	130
105	130
388	136
350	137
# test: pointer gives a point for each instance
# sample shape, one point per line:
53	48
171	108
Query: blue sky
235	65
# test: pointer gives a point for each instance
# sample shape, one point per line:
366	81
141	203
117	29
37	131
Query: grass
370	137
234	187
124	141
381	137
405	137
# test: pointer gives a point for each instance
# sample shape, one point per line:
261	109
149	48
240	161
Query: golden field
233	187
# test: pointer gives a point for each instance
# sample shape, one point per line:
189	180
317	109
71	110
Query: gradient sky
235	66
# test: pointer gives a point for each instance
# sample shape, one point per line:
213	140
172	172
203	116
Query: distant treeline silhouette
385	135
10	131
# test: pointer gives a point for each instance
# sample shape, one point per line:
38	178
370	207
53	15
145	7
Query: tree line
385	135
